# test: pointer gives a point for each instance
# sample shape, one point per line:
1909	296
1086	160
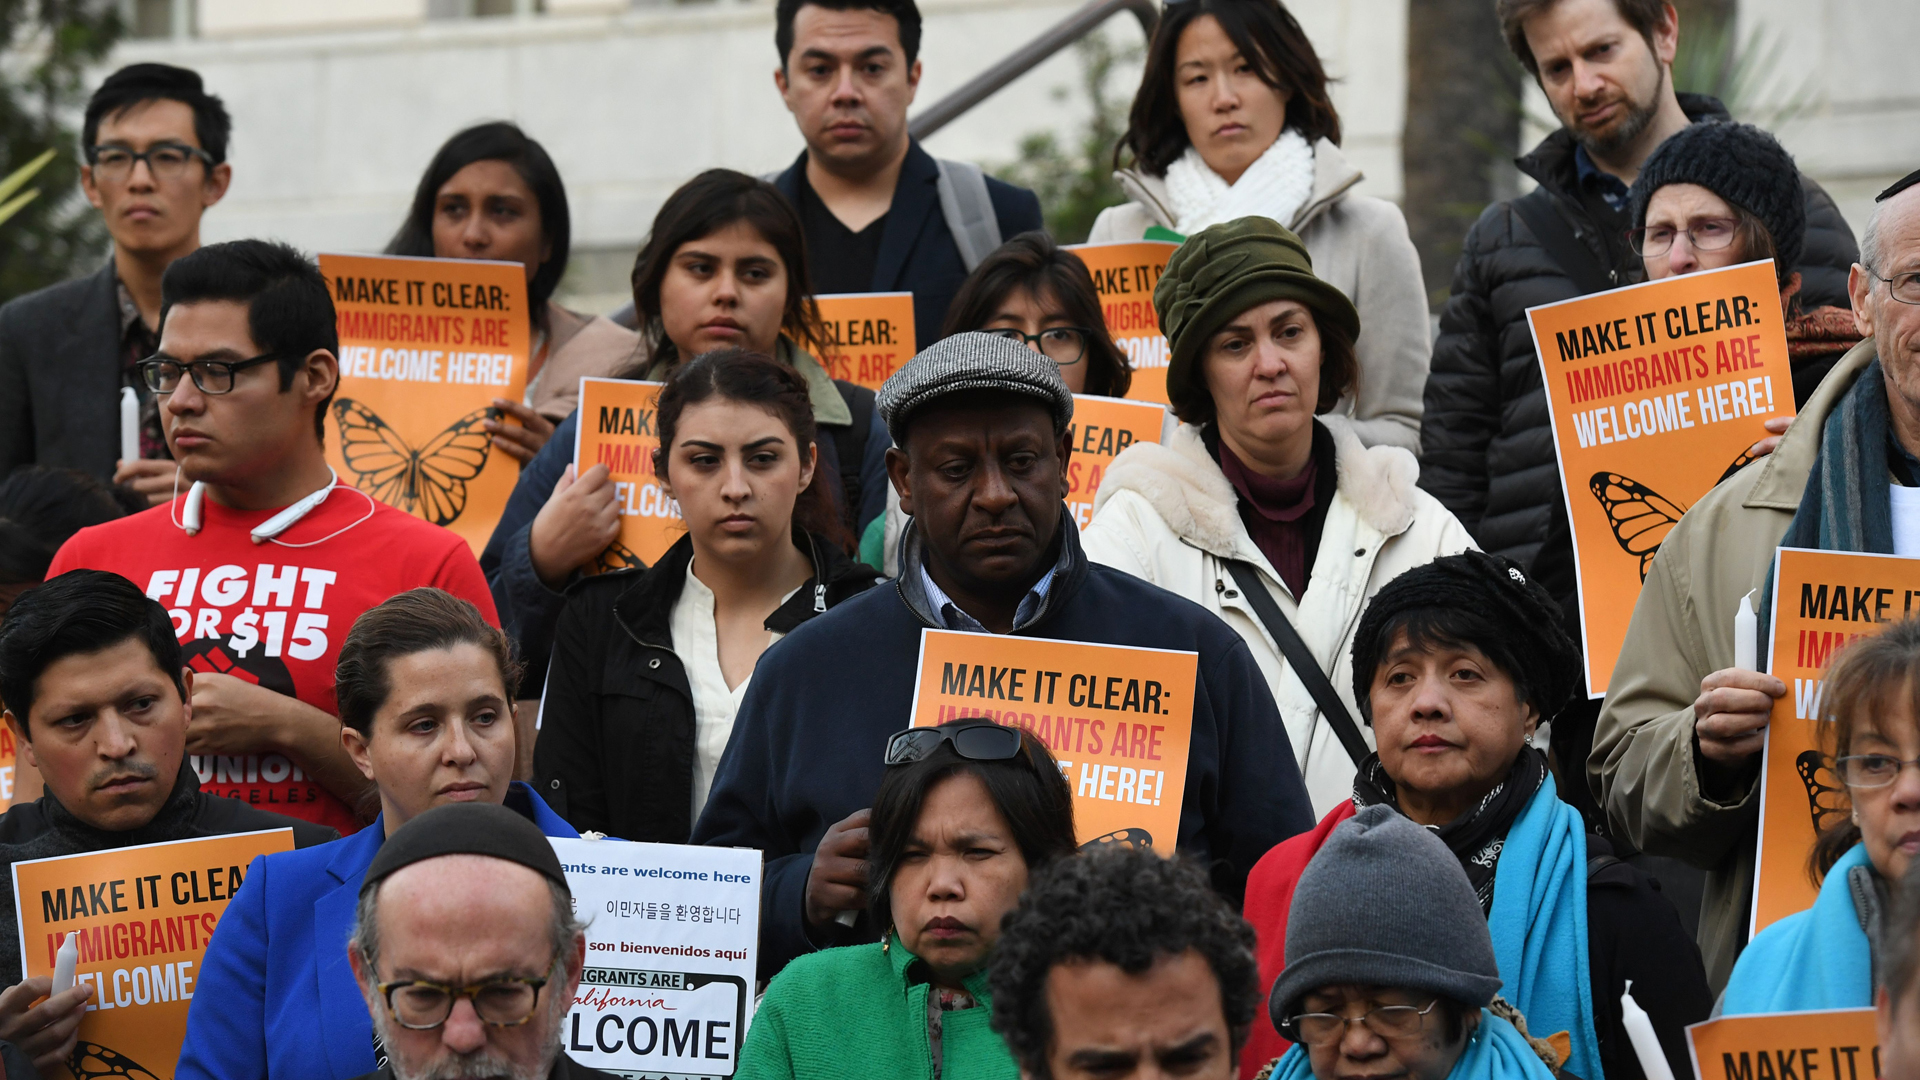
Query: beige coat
1169	515
1645	768
579	345
1360	245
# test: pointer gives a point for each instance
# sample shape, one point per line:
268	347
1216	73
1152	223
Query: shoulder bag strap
1549	227
968	208
1300	659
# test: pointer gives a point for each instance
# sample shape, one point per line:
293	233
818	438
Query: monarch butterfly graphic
430	482
1641	517
1825	795
618	556
1125	838
91	1061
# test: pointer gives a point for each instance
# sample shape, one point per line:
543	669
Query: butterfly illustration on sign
1826	795
1641	517
91	1061
618	556
429	482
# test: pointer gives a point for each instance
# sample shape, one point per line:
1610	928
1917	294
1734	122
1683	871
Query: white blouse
696	641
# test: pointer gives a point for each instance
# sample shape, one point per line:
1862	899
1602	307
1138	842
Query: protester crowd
1409	842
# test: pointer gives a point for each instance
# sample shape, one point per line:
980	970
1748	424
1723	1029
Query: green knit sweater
850	1014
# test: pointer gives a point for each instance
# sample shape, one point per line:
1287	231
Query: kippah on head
1384	903
473	828
1495	588
1743	165
1899	186
972	361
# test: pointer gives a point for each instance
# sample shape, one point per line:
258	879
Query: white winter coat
1360	246
1167	513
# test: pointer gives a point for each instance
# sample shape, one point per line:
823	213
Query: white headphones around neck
192	514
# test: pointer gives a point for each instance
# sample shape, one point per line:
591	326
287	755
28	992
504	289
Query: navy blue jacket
917	252
807	743
275	995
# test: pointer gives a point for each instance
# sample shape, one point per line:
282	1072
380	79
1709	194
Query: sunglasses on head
982	741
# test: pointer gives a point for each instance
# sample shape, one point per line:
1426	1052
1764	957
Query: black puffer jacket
1486	443
616	747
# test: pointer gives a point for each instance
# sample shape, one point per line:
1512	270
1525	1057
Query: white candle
129	424
63	962
1746	636
1646	1045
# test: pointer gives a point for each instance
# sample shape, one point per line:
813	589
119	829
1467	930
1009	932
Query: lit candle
1746	636
1646	1045
129	424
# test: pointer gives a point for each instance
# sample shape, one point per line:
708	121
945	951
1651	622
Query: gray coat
60	376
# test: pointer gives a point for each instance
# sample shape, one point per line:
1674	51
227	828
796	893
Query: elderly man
979	426
1676	754
467	950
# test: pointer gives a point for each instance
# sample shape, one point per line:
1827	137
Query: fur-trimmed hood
1185	486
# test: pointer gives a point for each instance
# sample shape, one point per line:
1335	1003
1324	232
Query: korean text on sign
671	933
1118	719
1656	393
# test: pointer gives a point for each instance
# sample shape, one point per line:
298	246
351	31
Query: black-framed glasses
1902	287
1709	234
1386	1021
163	374
984	741
1064	345
420	1005
166	161
1870	770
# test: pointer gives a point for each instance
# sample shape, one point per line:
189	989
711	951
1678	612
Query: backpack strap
1300	659
1557	237
969	210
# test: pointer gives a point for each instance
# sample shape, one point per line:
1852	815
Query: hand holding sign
575	526
837	883
45	1032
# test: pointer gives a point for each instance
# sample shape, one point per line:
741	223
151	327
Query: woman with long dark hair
724	267
649	666
1233	119
1036	292
493	193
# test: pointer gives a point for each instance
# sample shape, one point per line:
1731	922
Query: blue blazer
276	997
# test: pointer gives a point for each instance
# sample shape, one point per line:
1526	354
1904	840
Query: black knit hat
1520	620
475	828
1743	165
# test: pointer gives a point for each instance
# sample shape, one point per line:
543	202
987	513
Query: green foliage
1075	182
49	47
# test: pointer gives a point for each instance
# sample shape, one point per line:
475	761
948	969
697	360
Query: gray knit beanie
972	361
1743	165
1384	903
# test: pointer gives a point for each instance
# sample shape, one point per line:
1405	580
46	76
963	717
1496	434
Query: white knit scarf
1276	185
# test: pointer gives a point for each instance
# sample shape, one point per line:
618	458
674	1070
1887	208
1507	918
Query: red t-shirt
276	615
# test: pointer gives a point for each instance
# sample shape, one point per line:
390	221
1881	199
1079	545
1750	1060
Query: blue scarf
1812	959
1539	925
1496	1052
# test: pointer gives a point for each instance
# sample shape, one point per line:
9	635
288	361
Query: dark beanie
1223	270
474	828
1743	165
1384	903
1519	618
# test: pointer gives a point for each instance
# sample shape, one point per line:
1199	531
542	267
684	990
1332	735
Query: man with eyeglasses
1677	748
155	145
467	950
263	558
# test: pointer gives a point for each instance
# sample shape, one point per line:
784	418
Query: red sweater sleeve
460	575
1269	898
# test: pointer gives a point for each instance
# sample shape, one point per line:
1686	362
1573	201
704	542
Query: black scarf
1476	836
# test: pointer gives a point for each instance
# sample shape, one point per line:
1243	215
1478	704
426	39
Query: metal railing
1029	56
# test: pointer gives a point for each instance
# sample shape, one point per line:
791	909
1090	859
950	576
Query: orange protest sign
425	347
1822	601
142	917
1118	719
1101	428
1840	1044
616	430
869	335
1124	275
1656	391
9	766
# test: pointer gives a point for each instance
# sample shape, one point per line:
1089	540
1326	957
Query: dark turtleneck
1283	517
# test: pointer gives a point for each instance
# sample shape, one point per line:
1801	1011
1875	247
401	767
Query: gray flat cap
972	361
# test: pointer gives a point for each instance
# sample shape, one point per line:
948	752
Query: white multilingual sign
671	936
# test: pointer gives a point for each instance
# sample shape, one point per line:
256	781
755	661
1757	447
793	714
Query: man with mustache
881	214
980	427
1487	449
155	145
98	699
467	950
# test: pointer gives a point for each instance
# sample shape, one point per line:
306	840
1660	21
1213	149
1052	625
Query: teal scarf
1496	1052
1813	959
